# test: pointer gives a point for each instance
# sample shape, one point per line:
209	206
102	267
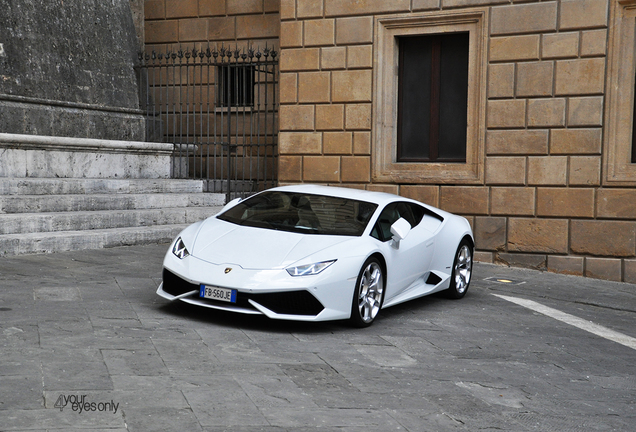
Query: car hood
221	242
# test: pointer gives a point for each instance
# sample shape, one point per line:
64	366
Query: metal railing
219	108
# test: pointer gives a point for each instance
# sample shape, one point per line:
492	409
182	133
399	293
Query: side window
391	213
382	228
410	212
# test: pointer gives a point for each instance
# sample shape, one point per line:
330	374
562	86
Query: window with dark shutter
236	86
432	98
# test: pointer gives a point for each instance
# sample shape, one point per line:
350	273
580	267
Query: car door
410	258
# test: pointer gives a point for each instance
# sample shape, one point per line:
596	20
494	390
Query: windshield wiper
306	228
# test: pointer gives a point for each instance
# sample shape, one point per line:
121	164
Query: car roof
380	198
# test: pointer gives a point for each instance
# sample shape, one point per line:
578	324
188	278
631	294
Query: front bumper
299	302
272	293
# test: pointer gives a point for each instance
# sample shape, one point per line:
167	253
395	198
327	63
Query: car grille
289	303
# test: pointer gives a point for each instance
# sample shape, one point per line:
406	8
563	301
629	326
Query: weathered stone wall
137	10
67	69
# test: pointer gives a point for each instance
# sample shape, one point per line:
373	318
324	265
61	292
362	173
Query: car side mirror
400	229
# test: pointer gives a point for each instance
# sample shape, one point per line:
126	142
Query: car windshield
303	213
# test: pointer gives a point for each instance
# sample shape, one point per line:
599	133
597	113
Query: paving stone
134	362
19	335
161	419
224	402
424	420
186	357
333	418
76	375
274	392
106	313
56	294
386	356
18	364
71	333
21	392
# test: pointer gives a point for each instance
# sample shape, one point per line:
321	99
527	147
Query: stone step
34	243
58	186
90	220
101	202
43	215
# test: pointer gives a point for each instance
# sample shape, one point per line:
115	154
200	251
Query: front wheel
462	270
369	294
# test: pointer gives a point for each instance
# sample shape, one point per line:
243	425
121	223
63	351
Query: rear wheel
369	294
462	270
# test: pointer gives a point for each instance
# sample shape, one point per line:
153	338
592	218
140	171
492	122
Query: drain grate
504	280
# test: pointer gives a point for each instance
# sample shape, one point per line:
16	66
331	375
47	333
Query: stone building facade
548	180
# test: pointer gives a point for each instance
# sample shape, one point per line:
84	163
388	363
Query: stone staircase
42	215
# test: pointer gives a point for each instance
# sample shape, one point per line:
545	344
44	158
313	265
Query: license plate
216	293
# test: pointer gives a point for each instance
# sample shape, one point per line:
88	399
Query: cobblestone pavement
85	343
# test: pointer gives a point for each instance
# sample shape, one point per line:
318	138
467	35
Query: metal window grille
219	108
236	86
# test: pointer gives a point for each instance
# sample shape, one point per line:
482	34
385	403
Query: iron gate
219	108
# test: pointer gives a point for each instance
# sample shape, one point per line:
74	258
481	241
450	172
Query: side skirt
421	288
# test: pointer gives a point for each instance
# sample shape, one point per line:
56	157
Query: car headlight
179	249
309	269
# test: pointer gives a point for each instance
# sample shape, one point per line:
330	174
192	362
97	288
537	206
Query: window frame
620	104
388	28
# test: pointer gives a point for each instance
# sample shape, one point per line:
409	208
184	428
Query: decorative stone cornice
41	142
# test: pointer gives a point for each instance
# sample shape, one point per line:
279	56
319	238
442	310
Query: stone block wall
541	201
546	80
540	197
231	23
326	93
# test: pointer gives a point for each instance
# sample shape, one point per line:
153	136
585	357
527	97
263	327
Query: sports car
316	253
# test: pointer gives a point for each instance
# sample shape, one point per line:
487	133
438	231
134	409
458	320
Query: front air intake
288	303
174	285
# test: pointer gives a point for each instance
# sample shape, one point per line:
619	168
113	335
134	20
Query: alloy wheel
370	292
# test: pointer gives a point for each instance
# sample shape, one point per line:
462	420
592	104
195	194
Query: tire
369	293
462	270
